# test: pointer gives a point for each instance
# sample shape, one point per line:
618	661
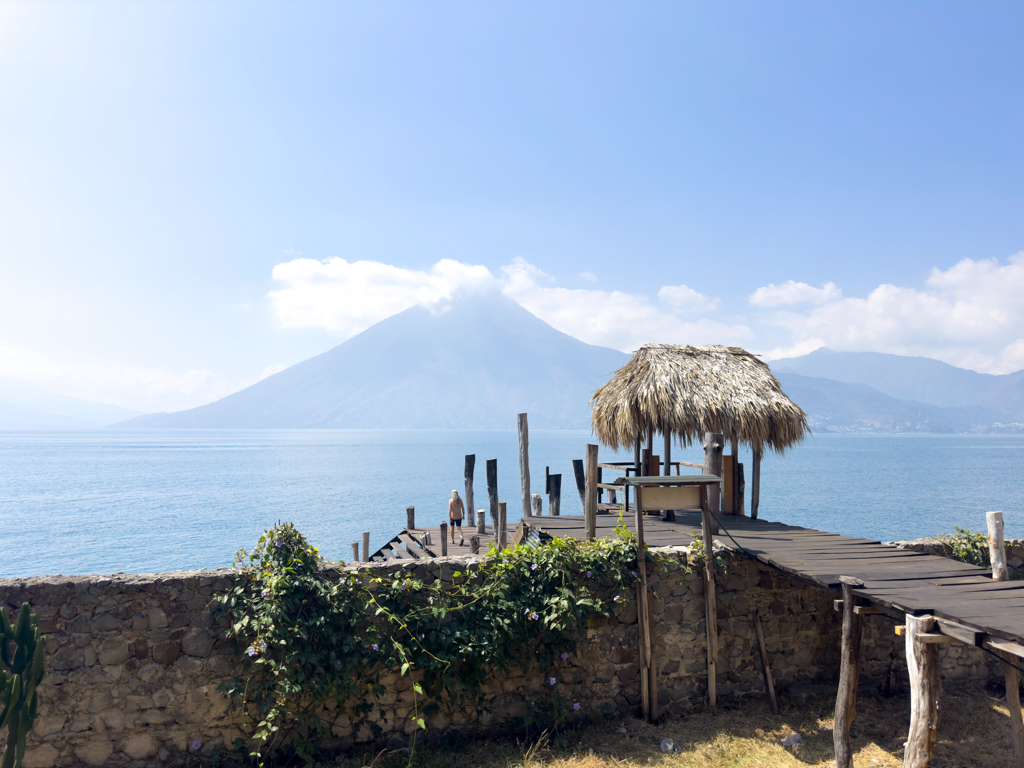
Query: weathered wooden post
366	546
444	539
524	461
849	671
468	473
590	504
642	615
355	551
555	495
547	479
481	518
581	483
710	605
537	505
667	454
763	648
713	443
492	493
474	545
410	518
1011	675
755	481
925	687
502	539
996	550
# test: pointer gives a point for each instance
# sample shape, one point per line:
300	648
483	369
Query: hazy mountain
475	365
915	378
23	407
835	406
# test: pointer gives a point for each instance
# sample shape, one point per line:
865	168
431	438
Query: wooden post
492	493
537	504
547	479
769	684
366	546
710	606
741	488
1012	677
468	473
502	538
590	503
410	518
355	551
925	687
581	481
481	517
713	466
555	495
474	545
667	454
645	462
849	670
444	539
755	482
600	479
996	550
524	461
643	615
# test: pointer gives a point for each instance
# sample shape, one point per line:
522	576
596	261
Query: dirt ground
974	732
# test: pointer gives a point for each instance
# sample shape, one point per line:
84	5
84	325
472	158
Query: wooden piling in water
849	675
468	476
492	493
355	551
555	495
366	546
536	505
524	461
502	532
410	518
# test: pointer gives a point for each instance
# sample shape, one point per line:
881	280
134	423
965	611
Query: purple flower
376	647
576	706
277	544
264	593
526	612
534	616
634	574
615	599
197	745
552	680
358	581
251	652
565	656
263	646
590	574
533	567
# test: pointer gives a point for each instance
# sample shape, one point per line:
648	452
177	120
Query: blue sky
776	175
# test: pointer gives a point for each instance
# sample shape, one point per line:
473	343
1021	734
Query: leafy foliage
310	640
967	547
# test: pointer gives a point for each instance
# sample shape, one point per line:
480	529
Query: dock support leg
925	688
849	673
1013	705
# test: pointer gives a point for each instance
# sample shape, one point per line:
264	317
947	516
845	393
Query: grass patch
974	730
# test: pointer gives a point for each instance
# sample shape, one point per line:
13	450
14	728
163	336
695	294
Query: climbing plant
309	639
967	547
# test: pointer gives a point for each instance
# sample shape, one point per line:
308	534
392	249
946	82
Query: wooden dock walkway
410	544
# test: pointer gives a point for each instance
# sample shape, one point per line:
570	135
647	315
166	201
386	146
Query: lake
143	501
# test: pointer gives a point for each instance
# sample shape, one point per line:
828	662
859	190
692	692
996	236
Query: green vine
967	547
311	640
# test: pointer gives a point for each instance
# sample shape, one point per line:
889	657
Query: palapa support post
524	461
849	671
537	505
713	442
555	495
667	453
355	551
755	481
501	526
410	518
444	539
468	473
769	684
590	500
996	550
492	493
925	688
581	481
366	546
474	545
710	606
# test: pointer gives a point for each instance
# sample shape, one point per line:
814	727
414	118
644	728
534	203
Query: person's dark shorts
457	523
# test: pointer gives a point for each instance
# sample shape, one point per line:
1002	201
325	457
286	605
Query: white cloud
347	297
684	299
141	389
971	315
791	292
587	277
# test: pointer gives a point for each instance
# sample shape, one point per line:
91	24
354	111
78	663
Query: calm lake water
109	501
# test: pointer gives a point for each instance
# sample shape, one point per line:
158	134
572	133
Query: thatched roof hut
688	391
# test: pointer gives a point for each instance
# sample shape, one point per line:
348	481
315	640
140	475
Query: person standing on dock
456	512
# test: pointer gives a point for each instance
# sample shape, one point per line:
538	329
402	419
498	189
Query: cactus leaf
20	659
23	633
5	623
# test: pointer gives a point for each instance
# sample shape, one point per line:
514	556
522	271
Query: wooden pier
412	544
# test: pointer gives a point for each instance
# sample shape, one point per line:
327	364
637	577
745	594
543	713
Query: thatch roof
692	390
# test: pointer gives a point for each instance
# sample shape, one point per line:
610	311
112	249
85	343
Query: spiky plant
20	674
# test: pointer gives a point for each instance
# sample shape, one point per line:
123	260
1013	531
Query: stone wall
134	661
1014	551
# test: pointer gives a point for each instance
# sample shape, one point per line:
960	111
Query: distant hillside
475	365
24	407
916	378
835	406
